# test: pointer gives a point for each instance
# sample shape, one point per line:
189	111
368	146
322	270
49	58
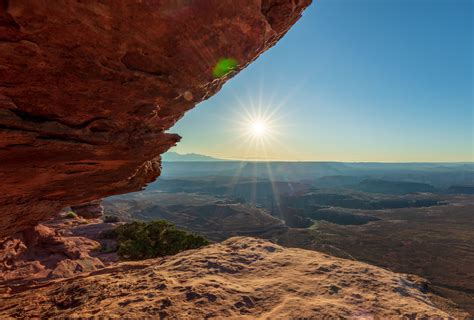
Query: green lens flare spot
223	67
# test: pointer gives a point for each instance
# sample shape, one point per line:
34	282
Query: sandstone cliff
89	88
239	278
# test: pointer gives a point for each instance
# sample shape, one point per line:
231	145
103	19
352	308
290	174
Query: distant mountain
174	156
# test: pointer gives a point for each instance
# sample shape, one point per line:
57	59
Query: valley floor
435	242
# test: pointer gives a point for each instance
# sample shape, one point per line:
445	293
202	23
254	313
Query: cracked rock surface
240	278
89	88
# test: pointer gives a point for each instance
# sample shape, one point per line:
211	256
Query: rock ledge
238	278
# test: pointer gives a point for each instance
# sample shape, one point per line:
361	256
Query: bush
145	240
70	215
111	219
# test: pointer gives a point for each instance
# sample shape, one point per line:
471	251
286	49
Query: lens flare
224	66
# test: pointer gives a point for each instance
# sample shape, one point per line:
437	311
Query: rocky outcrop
89	210
89	88
57	248
239	278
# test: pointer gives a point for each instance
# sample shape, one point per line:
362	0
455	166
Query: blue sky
353	80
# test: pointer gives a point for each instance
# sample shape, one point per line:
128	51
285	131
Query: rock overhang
89	89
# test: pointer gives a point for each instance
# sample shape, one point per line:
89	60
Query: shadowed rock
56	248
89	210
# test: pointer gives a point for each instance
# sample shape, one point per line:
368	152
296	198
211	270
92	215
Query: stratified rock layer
88	89
239	278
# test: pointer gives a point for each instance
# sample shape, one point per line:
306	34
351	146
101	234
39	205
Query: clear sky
353	80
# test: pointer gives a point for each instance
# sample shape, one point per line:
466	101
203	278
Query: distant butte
88	90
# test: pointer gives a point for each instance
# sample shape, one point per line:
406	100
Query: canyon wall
88	89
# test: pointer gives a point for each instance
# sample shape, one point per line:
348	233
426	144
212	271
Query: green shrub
70	215
144	240
111	219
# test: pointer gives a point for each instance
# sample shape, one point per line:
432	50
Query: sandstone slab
241	278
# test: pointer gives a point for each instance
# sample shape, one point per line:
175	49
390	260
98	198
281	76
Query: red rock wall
88	89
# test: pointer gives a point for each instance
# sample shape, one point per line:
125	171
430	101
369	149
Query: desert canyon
88	90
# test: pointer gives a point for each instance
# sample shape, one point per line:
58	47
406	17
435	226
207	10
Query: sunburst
258	128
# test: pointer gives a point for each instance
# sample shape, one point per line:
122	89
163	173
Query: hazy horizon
365	81
289	160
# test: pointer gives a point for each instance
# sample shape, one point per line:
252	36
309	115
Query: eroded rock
57	248
89	210
88	89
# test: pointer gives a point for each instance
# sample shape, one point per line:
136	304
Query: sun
258	128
